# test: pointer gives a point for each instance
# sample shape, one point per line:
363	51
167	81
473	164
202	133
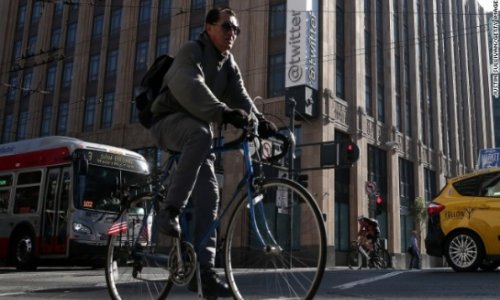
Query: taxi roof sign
489	158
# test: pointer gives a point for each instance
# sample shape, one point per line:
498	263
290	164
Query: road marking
349	285
12	294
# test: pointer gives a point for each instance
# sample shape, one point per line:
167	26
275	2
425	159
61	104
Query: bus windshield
100	188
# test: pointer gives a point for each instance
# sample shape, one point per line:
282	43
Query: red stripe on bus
35	159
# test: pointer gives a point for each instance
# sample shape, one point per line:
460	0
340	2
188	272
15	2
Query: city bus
58	197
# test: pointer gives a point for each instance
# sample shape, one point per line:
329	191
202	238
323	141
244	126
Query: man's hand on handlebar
236	117
266	128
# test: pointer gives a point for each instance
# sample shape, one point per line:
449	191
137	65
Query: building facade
406	80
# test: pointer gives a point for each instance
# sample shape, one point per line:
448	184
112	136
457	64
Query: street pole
291	151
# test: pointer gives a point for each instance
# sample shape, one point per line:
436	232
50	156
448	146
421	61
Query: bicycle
361	255
274	244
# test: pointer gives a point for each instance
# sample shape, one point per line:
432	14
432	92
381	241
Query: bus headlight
80	228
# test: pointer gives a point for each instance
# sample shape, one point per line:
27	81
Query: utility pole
291	151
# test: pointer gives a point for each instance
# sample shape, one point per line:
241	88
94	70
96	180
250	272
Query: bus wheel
23	251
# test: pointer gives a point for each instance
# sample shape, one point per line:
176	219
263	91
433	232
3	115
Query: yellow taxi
464	222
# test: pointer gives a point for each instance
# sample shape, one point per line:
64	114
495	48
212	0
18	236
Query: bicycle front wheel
354	258
291	261
135	268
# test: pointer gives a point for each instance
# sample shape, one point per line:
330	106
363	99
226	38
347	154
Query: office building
407	81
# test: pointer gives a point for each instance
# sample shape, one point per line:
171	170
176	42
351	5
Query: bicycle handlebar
249	133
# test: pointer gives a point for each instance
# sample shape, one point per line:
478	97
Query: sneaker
211	284
168	222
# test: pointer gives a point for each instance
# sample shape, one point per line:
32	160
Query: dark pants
195	175
415	259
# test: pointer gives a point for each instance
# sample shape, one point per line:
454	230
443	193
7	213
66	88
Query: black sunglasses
228	26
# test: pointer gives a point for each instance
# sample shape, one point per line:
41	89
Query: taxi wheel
464	251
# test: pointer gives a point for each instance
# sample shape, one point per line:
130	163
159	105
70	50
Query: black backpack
150	88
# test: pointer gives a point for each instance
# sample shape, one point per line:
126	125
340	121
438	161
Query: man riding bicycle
205	87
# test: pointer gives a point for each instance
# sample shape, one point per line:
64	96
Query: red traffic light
378	199
350	147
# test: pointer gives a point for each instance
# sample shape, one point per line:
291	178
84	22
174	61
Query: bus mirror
83	166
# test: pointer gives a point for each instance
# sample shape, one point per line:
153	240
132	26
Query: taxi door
485	215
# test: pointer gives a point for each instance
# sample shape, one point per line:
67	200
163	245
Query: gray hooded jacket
203	83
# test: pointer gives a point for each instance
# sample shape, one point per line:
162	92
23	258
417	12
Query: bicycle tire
294	270
382	259
129	274
355	258
386	257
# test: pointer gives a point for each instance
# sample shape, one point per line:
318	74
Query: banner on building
302	49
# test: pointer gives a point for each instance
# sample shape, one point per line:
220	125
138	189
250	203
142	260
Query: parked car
464	222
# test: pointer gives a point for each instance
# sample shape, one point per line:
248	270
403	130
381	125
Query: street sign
489	158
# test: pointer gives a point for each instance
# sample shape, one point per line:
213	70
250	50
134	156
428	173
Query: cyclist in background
205	87
368	232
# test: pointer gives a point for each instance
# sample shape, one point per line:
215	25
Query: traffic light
302	179
348	153
378	204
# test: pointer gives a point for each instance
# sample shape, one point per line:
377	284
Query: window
89	114
197	5
55	39
339	78
27	192
112	62
67	75
477	185
407	196
97	28
491	186
430	185
27	83
380	103
17	50
221	3
31	45
107	110
21	16
194	32
368	96
7	128
22	125
46	120
277	23
134	115
276	75
116	19
164	11
58	10
11	94
94	67
5	187
51	78
141	56
339	62
62	120
162	45
37	12
71	35
145	11
342	196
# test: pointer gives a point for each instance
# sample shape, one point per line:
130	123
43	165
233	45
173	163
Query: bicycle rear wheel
383	259
292	261
135	266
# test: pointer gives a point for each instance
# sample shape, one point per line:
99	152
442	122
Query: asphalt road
338	283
